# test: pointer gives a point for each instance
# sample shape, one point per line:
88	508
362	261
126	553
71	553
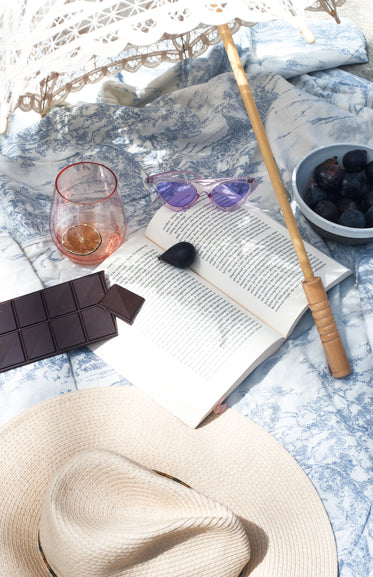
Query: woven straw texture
103	513
229	459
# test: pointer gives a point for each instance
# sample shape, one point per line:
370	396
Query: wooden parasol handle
312	286
327	328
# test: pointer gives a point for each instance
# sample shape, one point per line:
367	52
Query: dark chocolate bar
124	303
54	320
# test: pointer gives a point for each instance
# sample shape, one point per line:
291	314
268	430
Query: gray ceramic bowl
300	180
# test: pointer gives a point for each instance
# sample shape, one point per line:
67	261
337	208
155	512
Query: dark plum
181	255
343	203
369	172
367	201
369	218
352	218
355	160
328	174
333	196
352	185
313	195
327	210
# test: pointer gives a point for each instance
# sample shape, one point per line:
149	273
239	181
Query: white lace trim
49	48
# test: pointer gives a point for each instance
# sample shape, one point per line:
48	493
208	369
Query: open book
201	331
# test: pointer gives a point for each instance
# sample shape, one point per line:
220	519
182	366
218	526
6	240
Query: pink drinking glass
87	219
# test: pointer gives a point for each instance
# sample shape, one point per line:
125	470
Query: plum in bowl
333	187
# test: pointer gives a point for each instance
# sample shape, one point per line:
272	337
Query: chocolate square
59	299
68	331
11	352
89	289
29	309
38	341
98	323
7	320
124	303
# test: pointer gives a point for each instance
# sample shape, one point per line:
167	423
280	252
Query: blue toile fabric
199	123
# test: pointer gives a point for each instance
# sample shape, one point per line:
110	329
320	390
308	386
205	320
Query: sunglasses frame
202	186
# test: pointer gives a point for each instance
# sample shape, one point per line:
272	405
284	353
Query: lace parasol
49	48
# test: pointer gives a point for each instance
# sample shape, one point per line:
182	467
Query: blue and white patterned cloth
195	119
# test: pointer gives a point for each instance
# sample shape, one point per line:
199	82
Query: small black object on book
122	302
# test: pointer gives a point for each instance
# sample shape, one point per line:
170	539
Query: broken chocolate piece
122	302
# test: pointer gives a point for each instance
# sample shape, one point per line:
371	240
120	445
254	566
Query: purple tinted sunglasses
181	189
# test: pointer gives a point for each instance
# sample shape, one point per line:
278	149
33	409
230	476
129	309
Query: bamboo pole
312	286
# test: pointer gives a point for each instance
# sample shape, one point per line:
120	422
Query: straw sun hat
80	495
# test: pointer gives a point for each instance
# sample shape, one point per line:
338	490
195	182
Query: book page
248	256
189	345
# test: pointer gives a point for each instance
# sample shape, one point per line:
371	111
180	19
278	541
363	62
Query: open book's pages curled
201	331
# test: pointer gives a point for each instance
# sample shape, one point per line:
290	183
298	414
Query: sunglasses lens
177	194
229	194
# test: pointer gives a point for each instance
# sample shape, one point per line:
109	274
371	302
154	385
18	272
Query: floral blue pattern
194	119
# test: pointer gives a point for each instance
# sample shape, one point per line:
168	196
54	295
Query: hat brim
229	458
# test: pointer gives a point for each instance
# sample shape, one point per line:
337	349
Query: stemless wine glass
87	219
